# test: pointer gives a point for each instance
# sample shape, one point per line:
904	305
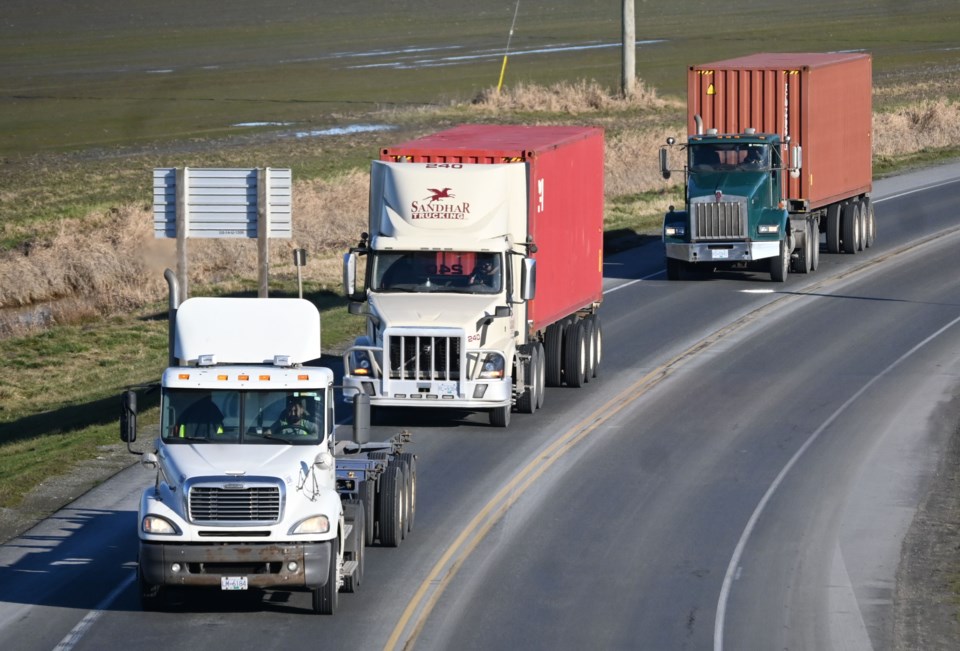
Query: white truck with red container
779	153
483	270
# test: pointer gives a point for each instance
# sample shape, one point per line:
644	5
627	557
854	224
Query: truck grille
724	220
260	504
424	357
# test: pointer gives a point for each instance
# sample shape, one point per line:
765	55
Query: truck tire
833	228
862	215
597	331
410	460
815	244
152	597
500	416
355	514
325	598
675	269
588	358
870	222
391	524
553	349
541	375
527	402
850	218
367	490
805	256
780	265
574	355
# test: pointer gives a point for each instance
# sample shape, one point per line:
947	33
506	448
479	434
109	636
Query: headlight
157	526
492	367
768	229
361	365
314	524
674	231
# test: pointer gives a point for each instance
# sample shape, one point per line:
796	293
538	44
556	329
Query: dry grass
111	262
924	125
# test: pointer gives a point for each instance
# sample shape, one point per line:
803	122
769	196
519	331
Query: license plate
445	389
720	254
233	583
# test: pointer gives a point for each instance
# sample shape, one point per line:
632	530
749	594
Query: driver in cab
293	421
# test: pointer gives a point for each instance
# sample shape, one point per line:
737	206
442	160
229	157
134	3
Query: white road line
71	639
734	566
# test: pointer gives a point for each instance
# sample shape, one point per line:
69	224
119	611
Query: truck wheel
597	343
411	469
780	265
368	493
870	223
862	219
553	347
392	483
833	228
804	256
326	596
588	362
541	374
815	245
527	402
675	269
850	218
574	355
500	416
152	597
355	514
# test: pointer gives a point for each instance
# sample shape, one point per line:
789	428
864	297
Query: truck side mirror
349	274
528	279
664	163
796	161
361	418
128	416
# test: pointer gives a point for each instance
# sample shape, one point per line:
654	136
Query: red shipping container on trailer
564	201
821	101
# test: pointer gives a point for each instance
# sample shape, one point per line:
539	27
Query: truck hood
434	310
211	460
740	184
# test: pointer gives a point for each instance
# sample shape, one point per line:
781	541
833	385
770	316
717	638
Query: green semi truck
777	165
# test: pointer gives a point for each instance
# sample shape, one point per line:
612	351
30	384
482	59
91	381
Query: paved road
738	486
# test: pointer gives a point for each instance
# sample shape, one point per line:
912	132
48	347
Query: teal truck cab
734	215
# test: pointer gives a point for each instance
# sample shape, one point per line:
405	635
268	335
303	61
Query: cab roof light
223	377
264	378
183	376
243	377
303	376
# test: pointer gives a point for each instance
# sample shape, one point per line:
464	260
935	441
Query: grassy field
93	98
139	73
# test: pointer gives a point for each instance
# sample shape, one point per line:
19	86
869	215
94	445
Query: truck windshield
464	272
743	157
242	417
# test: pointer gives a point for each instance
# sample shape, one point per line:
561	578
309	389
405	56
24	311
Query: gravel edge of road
926	603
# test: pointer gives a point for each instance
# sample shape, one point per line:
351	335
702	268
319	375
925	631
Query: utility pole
629	49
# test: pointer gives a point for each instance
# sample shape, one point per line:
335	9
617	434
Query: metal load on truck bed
821	101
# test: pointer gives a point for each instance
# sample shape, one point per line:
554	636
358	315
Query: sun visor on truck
462	199
249	330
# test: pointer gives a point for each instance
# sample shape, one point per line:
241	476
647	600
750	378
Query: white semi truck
483	270
252	489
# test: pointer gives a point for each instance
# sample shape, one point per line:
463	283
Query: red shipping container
564	201
822	101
